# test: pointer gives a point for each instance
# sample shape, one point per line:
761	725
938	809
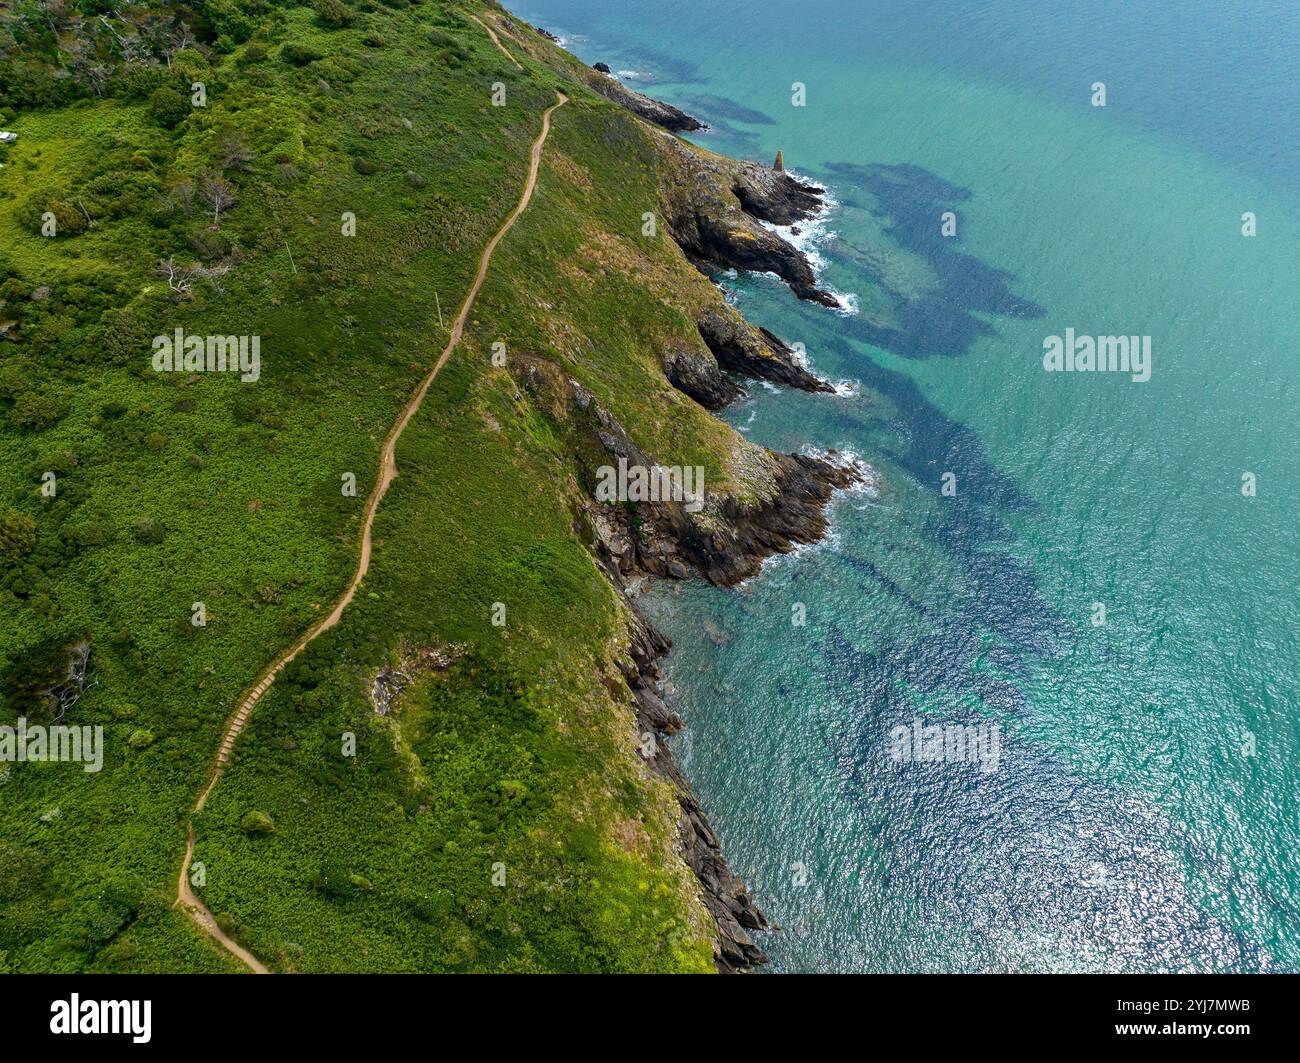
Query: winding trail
387	474
497	41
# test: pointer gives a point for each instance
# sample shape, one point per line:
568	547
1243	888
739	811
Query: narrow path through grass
185	897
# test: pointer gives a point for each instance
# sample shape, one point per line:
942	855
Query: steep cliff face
741	348
716	212
771	503
661	114
727	343
715	208
725	541
725	895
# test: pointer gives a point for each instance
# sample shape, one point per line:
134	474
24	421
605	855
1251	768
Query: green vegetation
497	817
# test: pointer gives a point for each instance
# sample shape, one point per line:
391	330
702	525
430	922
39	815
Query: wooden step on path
241	717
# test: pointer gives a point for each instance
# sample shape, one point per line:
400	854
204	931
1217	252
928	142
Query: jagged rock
652	707
739	347
773	195
602	67
729	538
547	34
641	105
695	371
714	207
723	892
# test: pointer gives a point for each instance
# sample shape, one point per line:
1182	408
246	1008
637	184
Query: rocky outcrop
694	370
730	344
714	207
393	679
727	535
741	348
773	195
731	539
724	894
661	114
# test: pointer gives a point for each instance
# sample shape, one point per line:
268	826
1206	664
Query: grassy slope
522	754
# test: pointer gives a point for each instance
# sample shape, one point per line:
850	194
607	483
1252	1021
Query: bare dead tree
217	194
53	11
177	39
181	279
97	74
134	49
62	697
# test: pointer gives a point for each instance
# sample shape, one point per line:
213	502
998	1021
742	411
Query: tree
17	534
333	13
217	194
181	279
168	107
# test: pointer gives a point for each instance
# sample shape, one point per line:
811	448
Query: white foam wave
810	236
868	484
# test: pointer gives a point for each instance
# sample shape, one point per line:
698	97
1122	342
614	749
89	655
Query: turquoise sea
1144	810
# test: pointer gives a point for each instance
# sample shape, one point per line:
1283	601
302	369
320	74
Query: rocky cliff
715	208
661	114
719	212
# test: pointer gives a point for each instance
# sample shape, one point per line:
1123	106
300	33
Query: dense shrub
257	822
147	530
254	53
300	54
141	82
333	13
69	219
168	107
36	411
17	534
